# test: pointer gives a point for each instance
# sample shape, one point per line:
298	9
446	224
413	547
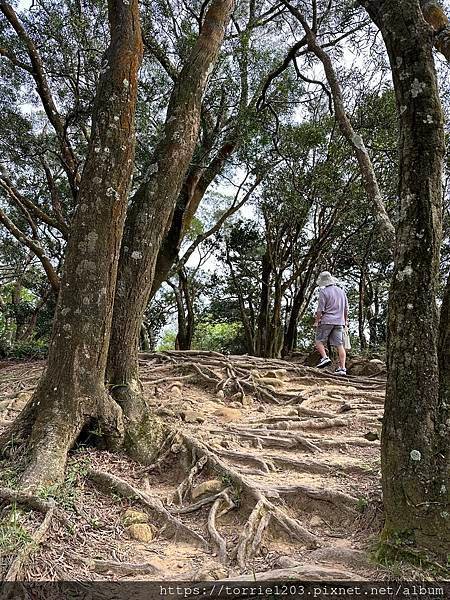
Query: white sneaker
323	362
340	371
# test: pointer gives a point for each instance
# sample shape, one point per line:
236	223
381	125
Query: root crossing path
269	468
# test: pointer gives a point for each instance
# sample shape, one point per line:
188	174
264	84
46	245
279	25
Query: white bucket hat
325	278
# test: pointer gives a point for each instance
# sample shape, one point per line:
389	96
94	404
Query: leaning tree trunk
415	432
71	393
146	223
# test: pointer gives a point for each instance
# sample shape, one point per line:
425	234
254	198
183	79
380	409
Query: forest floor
272	470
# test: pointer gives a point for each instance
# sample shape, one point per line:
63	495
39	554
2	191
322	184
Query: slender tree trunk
361	311
146	223
290	339
247	322
71	393
185	312
193	190
356	142
291	329
444	341
415	438
276	325
145	339
263	313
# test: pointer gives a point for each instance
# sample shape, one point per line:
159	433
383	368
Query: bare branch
43	89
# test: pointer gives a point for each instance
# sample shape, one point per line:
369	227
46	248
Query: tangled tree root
48	509
19	561
263	512
173	526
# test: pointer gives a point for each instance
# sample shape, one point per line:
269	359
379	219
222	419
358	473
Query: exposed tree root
215	536
266	466
254	529
185	486
122	568
247	544
112	483
339	499
274	438
16	567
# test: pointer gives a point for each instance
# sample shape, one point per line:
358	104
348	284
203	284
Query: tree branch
34	247
355	140
43	89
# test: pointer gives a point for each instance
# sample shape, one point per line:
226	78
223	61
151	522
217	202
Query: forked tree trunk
146	223
415	427
71	392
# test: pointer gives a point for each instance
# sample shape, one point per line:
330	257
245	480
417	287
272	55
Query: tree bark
263	313
415	463
71	393
361	310
146	223
435	16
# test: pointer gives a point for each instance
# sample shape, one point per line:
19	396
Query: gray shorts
332	333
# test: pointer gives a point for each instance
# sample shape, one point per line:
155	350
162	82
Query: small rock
228	414
131	517
219	573
277	374
261	408
292	412
273	381
371	436
220	395
344	408
191	416
140	532
212	486
203	575
175	390
235	405
247	400
165	412
286	562
316	521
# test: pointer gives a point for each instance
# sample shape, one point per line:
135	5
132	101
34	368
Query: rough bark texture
71	393
415	434
435	16
147	221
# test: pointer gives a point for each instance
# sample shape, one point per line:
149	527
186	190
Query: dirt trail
290	457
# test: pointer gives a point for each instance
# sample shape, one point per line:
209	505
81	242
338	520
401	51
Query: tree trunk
145	339
415	435
361	311
146	223
263	314
369	178
276	325
435	16
290	339
71	393
193	190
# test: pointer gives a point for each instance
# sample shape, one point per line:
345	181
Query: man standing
331	318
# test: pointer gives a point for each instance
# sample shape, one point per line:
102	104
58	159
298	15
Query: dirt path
288	458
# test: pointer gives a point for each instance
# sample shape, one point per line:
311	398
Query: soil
307	445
